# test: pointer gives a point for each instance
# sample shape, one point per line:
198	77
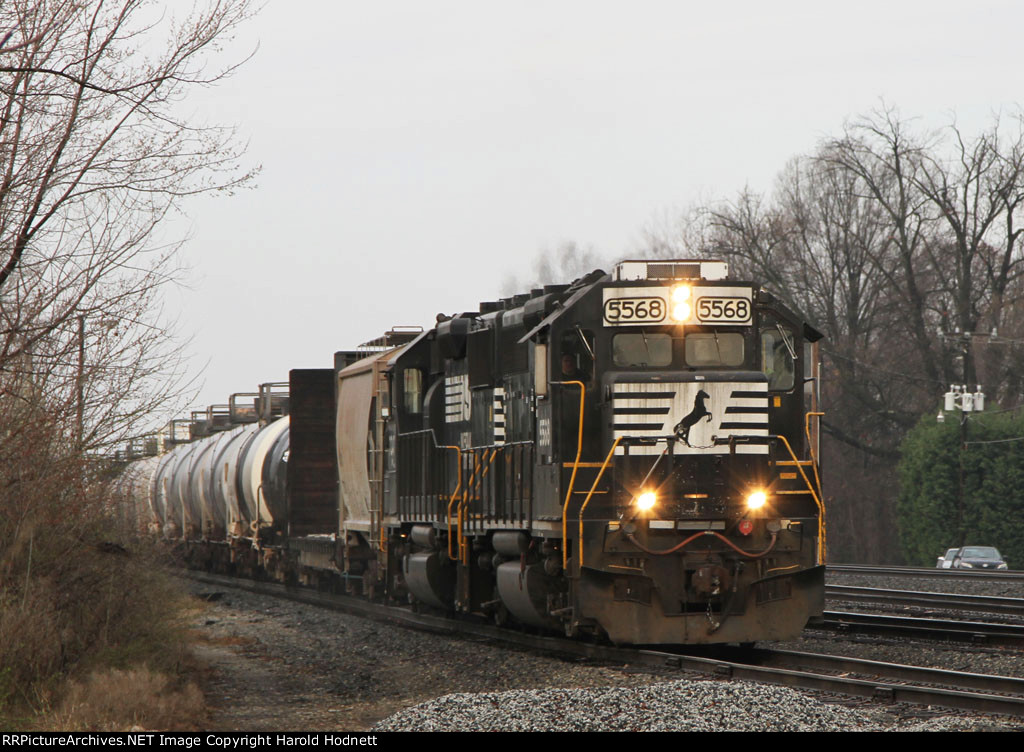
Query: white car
946	561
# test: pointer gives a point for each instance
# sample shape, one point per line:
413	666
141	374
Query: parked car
946	561
972	557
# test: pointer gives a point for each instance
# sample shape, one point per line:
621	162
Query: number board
715	310
635	310
639	306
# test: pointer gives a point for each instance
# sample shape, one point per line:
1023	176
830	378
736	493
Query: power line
984	413
876	369
995	441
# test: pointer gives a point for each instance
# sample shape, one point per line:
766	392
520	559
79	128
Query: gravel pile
672	706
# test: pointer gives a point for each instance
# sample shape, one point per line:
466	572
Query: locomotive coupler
727	604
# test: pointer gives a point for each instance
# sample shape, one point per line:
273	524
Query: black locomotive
632	456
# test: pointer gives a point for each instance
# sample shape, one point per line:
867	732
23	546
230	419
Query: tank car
219	486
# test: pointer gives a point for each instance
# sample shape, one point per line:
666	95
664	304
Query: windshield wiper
585	343
647	348
718	349
787	341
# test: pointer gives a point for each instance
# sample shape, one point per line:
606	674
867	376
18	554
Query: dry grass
116	700
84	603
77	623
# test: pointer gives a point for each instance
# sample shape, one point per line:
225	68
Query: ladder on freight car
381	401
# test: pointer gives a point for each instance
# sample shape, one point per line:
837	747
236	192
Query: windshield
980	552
642	349
714	349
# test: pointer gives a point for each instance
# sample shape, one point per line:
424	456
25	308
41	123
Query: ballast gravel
681	705
277	665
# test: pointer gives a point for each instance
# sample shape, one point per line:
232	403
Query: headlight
681	302
756	500
1002	566
646	500
965	565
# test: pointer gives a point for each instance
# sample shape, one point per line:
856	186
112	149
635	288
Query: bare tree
566	262
887	163
94	155
904	246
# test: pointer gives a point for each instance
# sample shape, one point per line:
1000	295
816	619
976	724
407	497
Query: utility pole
959	398
80	386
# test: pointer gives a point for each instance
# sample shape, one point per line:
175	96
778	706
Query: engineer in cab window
777	360
569	370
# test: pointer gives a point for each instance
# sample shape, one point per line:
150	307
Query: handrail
465	499
810	444
454	496
817	500
586	501
484	469
575	467
256	531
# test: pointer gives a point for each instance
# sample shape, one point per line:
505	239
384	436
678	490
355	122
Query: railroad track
890	681
942	601
987	575
863	678
976	632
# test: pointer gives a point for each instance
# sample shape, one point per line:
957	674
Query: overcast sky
416	154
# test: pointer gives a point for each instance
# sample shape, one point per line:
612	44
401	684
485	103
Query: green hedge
993	496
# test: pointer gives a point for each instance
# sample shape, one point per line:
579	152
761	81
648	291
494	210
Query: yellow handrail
817	500
575	467
810	444
462	502
463	548
586	501
455	494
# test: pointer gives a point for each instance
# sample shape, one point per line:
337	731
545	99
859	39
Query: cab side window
778	358
412	390
576	355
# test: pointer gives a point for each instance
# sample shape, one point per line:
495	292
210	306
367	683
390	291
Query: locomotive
632	456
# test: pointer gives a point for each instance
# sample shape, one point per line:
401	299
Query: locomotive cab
697	499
